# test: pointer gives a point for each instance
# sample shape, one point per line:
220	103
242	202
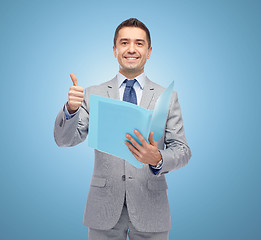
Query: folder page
110	120
160	113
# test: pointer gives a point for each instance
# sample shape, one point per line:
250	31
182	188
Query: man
123	199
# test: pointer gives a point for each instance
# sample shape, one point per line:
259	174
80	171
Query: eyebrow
126	39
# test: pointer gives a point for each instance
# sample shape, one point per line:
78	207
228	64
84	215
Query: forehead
132	33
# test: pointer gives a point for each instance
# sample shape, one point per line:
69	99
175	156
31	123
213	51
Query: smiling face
132	51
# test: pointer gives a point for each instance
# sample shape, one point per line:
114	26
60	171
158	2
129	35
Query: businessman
123	199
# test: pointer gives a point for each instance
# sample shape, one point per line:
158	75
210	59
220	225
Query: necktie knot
130	83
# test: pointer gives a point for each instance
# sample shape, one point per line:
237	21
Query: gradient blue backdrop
212	51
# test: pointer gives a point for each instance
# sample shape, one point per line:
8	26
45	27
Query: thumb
74	79
151	140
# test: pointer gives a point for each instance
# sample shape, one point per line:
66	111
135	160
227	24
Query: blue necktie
129	92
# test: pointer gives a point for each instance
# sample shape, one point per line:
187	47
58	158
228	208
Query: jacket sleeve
73	131
177	152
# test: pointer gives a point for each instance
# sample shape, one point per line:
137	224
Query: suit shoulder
100	87
159	88
152	84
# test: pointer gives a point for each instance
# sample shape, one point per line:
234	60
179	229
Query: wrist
69	109
159	162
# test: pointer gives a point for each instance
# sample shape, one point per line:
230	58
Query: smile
131	58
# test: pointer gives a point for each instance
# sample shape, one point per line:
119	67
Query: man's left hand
145	153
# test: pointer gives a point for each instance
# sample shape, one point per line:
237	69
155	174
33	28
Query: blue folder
110	120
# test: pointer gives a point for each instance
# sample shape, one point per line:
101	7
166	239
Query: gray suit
146	193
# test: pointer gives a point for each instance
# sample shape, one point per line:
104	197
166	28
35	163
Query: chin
133	70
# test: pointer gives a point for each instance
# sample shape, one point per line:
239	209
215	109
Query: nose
131	48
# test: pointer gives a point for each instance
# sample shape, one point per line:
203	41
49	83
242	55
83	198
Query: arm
69	132
177	152
73	131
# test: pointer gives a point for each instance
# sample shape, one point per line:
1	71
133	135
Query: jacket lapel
112	89
147	94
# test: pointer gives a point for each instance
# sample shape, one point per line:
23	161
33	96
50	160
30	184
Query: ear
114	51
149	52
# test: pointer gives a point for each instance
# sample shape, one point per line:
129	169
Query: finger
151	140
133	141
75	104
76	93
77	88
74	79
133	149
135	155
75	99
140	137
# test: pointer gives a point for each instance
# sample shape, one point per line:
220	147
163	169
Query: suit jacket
113	177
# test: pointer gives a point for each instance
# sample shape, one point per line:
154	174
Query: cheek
117	53
145	54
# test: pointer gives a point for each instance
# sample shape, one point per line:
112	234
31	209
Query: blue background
212	51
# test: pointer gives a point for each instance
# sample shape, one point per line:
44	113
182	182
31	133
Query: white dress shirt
138	85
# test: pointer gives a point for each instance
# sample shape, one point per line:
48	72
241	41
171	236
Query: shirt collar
140	79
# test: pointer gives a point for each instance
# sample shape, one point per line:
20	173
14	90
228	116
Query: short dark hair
132	22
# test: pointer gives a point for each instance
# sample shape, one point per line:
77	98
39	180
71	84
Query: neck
131	75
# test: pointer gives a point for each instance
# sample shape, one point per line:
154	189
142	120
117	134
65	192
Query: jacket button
123	177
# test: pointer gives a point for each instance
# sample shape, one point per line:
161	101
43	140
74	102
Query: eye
140	44
124	43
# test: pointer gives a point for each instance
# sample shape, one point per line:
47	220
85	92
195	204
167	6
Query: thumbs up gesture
75	95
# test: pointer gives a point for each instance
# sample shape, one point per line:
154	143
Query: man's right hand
75	96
